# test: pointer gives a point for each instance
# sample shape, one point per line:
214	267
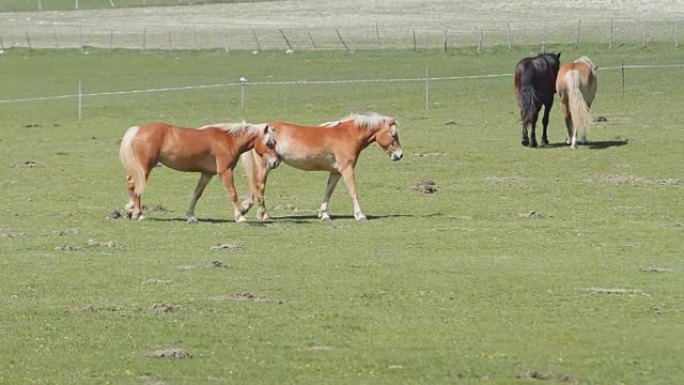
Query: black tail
528	97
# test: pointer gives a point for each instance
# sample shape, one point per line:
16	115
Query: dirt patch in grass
657	270
614	291
245	296
426	186
169	353
163	308
227	246
532	214
532	374
4	233
499	180
631	180
28	164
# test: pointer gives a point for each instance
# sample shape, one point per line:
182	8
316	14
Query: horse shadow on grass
597	145
296	219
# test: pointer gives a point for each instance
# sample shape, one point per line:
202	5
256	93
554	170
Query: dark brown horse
535	84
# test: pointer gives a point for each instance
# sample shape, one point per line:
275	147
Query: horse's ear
558	56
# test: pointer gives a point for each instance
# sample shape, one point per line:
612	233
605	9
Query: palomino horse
209	150
535	80
576	85
334	147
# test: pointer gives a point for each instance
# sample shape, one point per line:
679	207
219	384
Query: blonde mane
370	120
236	128
588	62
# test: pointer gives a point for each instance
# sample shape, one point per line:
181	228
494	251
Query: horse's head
553	59
388	139
265	146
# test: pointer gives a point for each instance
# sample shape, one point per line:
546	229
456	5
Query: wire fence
612	33
243	83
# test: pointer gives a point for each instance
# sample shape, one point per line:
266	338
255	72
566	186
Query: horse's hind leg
134	205
130	186
201	184
525	139
545	123
333	178
533	131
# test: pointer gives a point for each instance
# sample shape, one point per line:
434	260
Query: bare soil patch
170	353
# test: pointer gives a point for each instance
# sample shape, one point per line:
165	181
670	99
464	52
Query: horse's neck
364	136
244	141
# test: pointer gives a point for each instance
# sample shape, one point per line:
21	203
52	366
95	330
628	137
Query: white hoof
324	216
360	217
240	219
192	220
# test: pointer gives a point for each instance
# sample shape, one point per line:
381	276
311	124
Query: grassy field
526	266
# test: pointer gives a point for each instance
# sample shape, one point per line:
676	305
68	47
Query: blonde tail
130	162
578	106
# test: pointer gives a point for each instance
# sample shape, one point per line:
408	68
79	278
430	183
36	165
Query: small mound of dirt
658	270
427	186
227	246
109	244
82	309
600	119
532	214
67	248
218	265
532	374
170	353
28	164
245	296
114	214
163	307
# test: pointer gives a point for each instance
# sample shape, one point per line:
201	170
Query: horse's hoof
324	216
140	218
240	219
525	142
192	220
360	217
533	144
244	208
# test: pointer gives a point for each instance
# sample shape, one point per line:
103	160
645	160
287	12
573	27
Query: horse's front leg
262	213
348	175
545	123
227	178
201	184
333	178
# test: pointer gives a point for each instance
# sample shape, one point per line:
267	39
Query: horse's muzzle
272	163
397	155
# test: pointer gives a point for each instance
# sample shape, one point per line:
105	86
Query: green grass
461	286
